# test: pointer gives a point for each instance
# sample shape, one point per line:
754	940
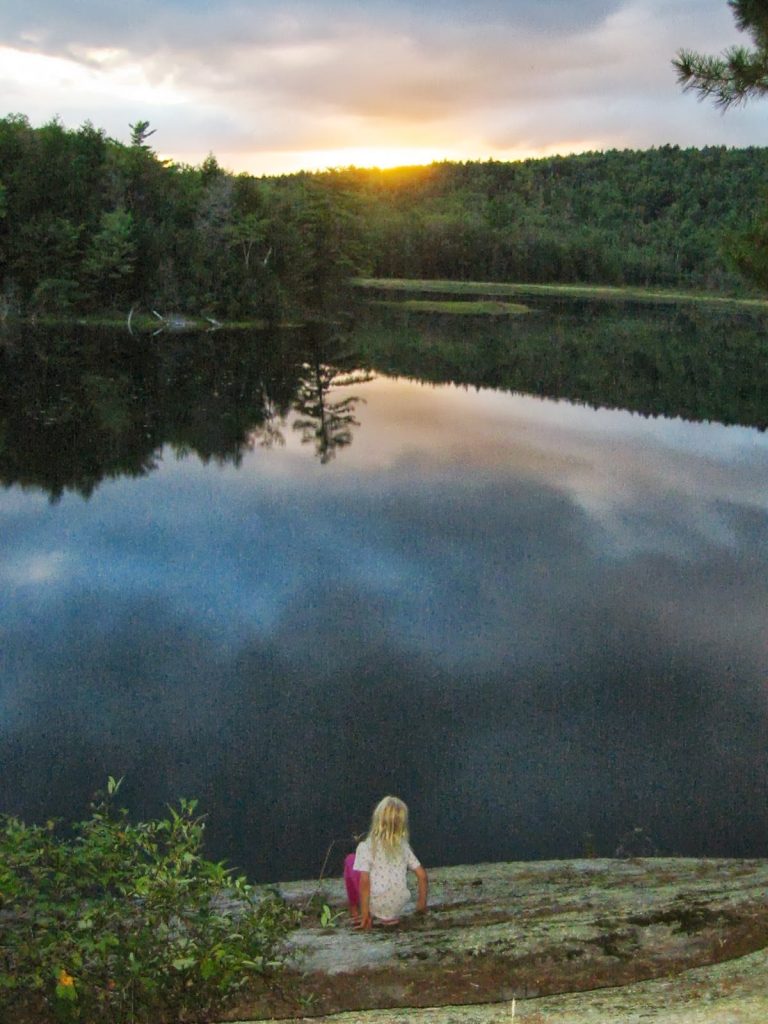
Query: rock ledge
580	940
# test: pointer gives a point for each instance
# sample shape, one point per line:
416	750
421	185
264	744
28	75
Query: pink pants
352	881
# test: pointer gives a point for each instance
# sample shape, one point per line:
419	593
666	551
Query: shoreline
615	293
567	937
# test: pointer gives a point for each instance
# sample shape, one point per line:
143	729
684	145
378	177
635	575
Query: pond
515	572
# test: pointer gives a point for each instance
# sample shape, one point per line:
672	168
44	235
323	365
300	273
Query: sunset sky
274	86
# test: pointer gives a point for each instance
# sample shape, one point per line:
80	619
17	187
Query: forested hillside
90	224
658	217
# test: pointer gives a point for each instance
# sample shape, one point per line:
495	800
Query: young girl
375	874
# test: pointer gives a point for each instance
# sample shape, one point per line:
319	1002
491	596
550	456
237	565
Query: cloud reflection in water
531	619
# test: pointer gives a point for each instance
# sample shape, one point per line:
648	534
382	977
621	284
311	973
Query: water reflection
696	363
81	406
326	423
532	619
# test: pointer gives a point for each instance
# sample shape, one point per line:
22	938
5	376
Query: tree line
88	223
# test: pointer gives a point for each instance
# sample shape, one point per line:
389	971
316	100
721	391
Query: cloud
252	81
143	26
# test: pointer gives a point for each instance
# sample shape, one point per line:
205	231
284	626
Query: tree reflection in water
82	405
322	422
79	406
268	434
327	425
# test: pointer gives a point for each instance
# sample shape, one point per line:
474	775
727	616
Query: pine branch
730	79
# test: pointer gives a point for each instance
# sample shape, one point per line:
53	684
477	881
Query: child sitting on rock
375	875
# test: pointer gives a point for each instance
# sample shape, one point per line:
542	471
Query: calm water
253	573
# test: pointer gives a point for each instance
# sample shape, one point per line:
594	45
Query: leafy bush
122	922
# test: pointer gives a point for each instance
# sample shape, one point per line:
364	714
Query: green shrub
120	922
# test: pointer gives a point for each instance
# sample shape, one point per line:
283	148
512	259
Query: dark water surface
247	570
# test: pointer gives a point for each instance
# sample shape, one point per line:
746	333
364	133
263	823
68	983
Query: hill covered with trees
89	224
665	217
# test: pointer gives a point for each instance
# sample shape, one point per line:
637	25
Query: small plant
127	923
328	918
318	898
307	1001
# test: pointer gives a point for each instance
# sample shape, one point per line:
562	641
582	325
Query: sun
382	157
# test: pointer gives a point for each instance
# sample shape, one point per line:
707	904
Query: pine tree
739	73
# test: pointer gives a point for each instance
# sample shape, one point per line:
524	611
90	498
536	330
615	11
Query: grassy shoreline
462	307
572	291
481	298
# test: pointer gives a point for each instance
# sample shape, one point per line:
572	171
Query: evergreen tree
110	259
734	77
738	73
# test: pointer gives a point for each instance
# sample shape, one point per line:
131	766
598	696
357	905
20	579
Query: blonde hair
389	825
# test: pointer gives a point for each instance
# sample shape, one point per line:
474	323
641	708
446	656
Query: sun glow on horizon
270	162
369	157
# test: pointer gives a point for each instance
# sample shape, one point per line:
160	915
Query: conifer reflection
325	422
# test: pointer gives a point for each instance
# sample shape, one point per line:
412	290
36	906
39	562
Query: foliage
87	222
732	78
737	74
654	218
111	254
121	922
749	250
140	132
328	917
